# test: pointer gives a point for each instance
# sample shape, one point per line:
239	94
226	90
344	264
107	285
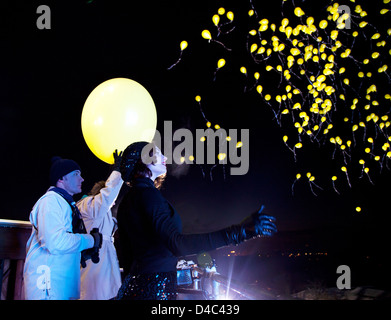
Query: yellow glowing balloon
221	156
375	55
263	27
117	113
298	12
310	21
323	24
288	32
375	36
183	45
206	35
220	63
264	21
216	19
362	24
298	145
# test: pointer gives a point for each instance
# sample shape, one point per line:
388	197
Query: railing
13	237
207	284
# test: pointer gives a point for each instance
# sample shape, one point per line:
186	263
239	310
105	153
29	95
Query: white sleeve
53	225
96	207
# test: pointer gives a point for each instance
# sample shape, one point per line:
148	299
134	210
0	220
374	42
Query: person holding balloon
150	229
101	281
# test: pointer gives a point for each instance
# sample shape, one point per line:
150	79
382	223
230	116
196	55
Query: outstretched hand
255	225
117	160
264	224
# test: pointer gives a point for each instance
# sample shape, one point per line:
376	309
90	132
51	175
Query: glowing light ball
117	113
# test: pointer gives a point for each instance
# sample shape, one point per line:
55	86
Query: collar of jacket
64	194
143	182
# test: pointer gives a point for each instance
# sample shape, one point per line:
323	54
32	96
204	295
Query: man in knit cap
58	241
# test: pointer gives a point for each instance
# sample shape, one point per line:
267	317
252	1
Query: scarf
77	222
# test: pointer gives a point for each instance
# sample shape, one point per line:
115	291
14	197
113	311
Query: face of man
71	182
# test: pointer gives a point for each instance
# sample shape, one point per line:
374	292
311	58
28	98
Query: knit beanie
61	167
130	156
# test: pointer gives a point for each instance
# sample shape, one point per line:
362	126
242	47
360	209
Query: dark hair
141	170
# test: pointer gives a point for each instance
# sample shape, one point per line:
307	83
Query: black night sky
46	76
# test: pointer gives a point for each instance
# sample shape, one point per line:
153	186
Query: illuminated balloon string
172	66
285	139
214	166
256	83
281	73
230	17
381	163
206	35
216	22
215	74
222	44
202	170
220	64
198	99
366	170
362	124
280	113
347	175
345	154
311	183
275	114
294	73
298	176
244	71
282	7
183	46
362	162
332	140
354	128
333	179
253	9
318	132
228	31
210	172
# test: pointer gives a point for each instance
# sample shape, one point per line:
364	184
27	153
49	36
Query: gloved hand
92	253
97	238
254	225
117	160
